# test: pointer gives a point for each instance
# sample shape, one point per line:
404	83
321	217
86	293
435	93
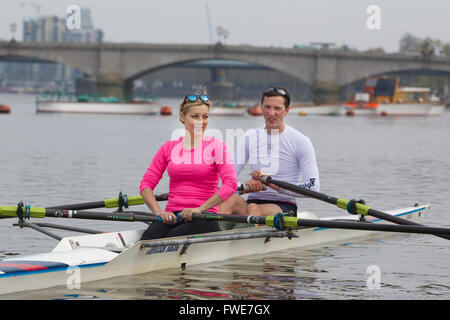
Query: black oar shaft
80	206
335	201
303	191
355	225
114	202
96	215
102	204
395	219
369	226
391	218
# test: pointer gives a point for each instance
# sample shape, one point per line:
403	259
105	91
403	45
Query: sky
280	23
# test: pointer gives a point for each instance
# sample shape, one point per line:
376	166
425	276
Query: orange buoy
255	111
4	108
350	113
165	110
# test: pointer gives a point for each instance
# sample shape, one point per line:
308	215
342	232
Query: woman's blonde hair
186	103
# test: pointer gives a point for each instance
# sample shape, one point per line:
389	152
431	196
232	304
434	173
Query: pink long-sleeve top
194	174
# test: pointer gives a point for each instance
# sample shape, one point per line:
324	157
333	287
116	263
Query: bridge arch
44	59
355	70
290	65
224	65
248	79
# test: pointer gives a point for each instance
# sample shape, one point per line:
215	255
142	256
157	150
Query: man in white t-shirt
278	150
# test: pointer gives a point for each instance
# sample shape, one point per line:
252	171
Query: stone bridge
114	66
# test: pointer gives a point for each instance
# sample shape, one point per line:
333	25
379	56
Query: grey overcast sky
280	23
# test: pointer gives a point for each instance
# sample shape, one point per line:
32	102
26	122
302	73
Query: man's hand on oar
259	174
252	185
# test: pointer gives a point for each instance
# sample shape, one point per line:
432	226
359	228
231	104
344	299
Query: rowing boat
84	258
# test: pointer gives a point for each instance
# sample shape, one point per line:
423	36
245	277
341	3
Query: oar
279	221
121	201
351	206
34	212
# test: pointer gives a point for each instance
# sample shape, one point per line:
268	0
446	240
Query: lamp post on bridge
13	29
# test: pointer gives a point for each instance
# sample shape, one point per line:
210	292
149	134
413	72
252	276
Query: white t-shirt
288	156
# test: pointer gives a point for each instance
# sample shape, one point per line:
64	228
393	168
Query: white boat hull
228	111
410	109
325	110
98	107
359	111
80	259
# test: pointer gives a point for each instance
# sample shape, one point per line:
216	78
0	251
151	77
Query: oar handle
243	188
266	179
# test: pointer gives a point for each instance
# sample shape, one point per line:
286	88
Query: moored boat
384	96
321	109
412	101
361	105
228	109
96	105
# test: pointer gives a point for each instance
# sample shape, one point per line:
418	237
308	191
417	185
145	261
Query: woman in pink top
195	163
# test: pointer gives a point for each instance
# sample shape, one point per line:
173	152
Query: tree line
410	44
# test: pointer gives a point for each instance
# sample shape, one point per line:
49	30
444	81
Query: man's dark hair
277	92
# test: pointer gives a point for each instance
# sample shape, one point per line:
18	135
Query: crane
37	7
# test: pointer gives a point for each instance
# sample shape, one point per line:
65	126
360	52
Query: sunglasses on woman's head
195	97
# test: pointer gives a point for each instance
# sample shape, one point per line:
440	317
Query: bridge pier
111	85
220	88
105	86
325	92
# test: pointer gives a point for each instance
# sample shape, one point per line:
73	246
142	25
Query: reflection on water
336	272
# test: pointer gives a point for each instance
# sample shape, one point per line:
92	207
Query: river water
51	159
